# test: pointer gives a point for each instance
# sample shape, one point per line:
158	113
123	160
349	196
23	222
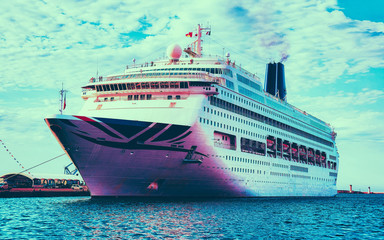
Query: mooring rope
14	158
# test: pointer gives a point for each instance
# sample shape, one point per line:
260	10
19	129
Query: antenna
194	49
63	98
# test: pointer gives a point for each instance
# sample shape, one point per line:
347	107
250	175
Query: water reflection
300	218
143	218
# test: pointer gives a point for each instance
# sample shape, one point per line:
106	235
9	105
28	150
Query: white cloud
343	111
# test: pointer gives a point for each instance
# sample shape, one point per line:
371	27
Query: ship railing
184	61
168	75
295	108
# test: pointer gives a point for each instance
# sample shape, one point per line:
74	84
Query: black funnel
275	80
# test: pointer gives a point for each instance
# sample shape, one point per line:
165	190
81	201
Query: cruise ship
197	126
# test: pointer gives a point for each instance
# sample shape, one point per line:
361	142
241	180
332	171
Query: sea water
341	217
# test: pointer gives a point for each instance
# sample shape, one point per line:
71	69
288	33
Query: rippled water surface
342	217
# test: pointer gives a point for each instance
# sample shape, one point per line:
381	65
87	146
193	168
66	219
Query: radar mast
194	49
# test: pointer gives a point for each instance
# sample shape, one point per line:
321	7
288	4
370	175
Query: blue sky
334	70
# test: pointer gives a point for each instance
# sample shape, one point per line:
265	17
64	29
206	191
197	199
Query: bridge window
183	84
122	86
228	72
145	85
174	84
164	85
155	85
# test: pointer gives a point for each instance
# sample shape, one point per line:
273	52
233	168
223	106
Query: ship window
183	84
138	86
149	96
129	97
178	97
116	87
154	85
229	84
169	97
174	84
112	98
107	87
164	85
136	97
142	97
144	85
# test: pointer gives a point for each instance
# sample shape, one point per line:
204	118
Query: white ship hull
138	157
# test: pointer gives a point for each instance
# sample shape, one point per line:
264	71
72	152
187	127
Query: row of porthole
230	128
237	169
280	165
280	174
247	160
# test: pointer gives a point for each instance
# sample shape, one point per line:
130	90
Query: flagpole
62	92
61	99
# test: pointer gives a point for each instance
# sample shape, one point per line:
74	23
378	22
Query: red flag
65	101
188	34
208	33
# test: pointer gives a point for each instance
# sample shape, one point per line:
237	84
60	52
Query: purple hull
132	158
